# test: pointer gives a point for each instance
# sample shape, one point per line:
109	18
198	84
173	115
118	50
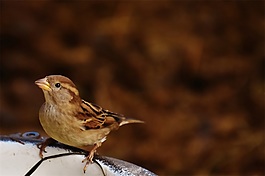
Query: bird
70	120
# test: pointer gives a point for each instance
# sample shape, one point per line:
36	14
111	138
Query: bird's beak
43	84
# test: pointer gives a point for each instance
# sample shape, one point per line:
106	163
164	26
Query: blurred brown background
192	70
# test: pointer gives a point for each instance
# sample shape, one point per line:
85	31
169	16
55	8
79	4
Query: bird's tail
127	121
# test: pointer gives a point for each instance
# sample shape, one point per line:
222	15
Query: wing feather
95	117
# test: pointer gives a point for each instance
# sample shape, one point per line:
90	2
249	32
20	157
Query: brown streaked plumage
70	120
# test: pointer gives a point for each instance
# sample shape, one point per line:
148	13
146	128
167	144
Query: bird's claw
88	160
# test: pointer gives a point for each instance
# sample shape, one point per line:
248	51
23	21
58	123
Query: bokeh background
193	71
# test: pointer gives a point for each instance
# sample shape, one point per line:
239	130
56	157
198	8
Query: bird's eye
57	85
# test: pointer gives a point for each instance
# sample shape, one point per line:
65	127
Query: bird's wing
95	117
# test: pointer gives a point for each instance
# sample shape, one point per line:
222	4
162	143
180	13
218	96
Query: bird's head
58	90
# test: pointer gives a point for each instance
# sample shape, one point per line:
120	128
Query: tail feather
127	121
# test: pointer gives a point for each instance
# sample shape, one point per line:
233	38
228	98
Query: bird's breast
62	126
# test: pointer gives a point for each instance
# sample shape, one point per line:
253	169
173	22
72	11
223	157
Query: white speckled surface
17	159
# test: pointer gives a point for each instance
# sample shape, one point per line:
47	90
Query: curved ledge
19	155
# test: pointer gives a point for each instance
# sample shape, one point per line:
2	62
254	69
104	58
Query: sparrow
70	120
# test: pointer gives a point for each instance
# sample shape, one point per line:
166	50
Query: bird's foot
88	159
43	145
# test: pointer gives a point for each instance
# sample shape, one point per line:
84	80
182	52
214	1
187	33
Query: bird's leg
89	158
43	145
